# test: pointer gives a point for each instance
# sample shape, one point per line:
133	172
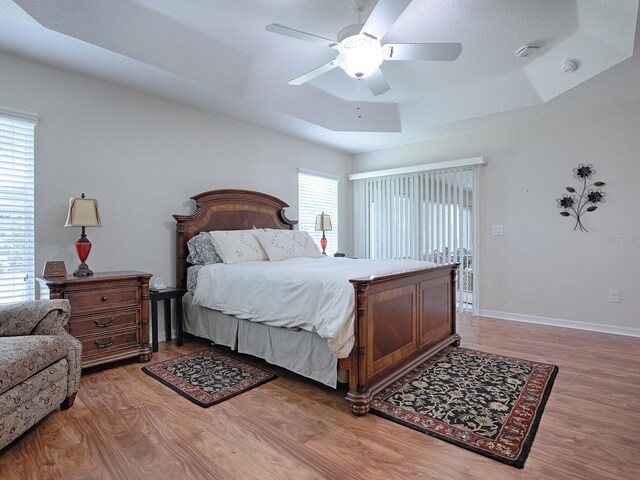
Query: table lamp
83	212
323	223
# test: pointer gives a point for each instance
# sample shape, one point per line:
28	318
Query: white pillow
235	246
283	244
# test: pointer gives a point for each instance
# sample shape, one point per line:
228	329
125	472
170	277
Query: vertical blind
423	216
16	209
317	193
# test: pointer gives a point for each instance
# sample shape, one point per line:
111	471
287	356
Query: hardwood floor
126	425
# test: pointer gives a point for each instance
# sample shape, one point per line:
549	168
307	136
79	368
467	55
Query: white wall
143	158
541	269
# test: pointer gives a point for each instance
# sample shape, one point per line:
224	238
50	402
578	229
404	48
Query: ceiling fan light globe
359	55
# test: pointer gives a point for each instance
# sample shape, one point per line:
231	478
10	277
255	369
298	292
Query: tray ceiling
216	55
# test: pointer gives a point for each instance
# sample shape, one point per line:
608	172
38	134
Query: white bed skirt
299	351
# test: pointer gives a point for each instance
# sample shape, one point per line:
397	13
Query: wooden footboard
401	319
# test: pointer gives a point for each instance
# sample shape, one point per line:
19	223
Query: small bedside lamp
323	223
83	212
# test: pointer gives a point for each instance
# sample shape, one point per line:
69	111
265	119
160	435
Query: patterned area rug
486	403
208	377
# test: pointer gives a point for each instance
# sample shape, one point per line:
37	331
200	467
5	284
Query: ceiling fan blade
307	37
424	51
376	82
383	16
316	72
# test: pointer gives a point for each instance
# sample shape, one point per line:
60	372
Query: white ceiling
217	55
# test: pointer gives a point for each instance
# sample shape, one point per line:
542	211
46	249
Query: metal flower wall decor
573	205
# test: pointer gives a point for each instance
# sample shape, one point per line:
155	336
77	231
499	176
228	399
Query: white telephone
158	284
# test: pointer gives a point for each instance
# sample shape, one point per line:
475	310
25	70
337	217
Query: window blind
318	193
427	215
16	209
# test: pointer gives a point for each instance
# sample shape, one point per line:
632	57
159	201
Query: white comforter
309	293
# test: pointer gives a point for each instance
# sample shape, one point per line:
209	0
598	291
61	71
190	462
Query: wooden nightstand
109	314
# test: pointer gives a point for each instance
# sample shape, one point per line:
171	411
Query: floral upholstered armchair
39	364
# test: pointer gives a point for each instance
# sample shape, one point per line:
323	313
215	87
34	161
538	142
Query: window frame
17	205
309	206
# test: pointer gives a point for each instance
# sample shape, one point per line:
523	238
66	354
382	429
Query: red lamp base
323	243
83	248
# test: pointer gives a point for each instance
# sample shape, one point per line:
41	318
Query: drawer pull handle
105	324
106	344
104	298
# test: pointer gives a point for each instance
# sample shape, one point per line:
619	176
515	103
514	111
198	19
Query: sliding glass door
427	215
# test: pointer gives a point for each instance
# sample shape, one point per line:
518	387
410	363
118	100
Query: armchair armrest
39	317
45	317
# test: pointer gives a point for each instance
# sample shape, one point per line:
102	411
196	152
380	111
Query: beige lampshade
83	212
323	223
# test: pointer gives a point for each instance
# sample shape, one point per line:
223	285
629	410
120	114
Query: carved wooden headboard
226	210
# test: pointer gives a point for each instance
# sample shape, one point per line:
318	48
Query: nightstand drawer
99	324
101	299
99	344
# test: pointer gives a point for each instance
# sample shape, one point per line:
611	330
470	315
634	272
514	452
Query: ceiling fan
360	51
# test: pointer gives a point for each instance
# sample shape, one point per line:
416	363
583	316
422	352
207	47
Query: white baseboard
558	322
162	336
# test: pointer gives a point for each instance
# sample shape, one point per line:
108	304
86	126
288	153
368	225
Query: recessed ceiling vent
526	50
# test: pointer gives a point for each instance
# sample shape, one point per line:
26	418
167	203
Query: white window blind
318	193
16	208
427	215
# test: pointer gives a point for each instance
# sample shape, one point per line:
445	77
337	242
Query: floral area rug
208	377
489	404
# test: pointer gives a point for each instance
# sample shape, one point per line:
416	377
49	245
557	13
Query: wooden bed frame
401	318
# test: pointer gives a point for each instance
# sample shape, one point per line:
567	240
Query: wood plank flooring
126	425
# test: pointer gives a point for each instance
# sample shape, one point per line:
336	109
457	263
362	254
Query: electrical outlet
614	296
497	230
